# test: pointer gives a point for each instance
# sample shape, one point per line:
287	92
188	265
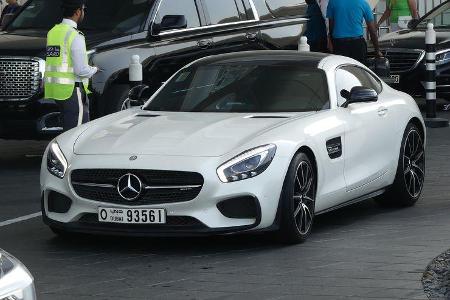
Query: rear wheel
410	176
298	200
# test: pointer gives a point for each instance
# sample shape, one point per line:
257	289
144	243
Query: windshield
440	18
243	88
117	16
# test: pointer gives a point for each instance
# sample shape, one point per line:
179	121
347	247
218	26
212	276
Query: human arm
371	27
413	9
385	16
330	36
80	67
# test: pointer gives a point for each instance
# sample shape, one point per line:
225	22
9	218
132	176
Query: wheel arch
310	153
419	125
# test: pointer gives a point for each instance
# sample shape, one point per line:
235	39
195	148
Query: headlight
56	162
442	57
16	282
248	164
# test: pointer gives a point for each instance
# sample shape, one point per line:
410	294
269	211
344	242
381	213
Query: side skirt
359	199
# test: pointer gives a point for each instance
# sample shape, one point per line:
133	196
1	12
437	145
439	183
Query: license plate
131	215
395	78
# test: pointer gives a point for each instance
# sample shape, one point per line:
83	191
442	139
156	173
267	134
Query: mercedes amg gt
251	141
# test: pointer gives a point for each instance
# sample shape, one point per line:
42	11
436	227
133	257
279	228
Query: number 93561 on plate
131	215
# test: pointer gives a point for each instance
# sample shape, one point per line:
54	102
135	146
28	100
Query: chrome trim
106	186
41	64
253	23
166	33
146	187
255	11
168	187
52	129
403	50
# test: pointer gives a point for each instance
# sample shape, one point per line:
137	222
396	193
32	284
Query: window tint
118	17
238	88
188	8
345	80
366	79
222	11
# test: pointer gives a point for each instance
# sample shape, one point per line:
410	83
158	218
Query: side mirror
170	22
139	94
359	94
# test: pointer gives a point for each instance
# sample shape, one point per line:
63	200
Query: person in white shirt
75	107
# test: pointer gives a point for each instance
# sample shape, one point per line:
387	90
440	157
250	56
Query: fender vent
268	117
334	148
147	116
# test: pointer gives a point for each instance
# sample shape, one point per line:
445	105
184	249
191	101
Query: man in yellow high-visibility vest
67	71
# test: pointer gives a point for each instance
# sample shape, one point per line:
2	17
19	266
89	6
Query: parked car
405	50
16	282
250	141
167	34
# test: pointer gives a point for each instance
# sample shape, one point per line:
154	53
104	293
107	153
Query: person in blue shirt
316	30
346	19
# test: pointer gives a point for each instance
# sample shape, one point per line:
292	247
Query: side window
345	80
188	8
366	79
222	11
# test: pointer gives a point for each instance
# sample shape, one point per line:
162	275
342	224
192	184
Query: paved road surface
359	252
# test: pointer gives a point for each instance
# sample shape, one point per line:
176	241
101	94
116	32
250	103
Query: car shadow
343	218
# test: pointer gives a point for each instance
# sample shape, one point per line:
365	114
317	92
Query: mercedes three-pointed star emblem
129	187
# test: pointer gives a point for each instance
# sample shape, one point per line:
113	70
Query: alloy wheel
304	197
414	163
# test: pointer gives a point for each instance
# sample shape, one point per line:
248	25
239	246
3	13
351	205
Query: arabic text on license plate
131	215
395	78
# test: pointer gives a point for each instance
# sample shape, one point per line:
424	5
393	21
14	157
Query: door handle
251	35
204	44
382	111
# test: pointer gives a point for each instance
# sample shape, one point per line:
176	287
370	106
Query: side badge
334	148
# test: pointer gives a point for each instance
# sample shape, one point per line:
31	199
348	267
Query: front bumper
200	216
37	118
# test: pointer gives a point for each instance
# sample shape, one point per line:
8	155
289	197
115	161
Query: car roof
305	59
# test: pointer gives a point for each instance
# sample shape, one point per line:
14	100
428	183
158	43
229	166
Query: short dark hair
69	7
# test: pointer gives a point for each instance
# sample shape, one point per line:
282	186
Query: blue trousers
75	110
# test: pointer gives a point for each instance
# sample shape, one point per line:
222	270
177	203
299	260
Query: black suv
166	34
405	50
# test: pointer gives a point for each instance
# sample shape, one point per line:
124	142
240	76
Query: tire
298	200
115	98
410	175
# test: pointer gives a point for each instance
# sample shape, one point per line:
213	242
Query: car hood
176	134
413	39
26	43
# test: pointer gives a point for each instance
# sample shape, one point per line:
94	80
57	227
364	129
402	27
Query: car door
177	47
230	26
366	141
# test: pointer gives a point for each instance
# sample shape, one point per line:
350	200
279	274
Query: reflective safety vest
59	76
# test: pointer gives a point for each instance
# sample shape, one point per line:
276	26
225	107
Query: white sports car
252	141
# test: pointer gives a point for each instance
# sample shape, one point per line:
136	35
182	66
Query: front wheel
410	176
298	200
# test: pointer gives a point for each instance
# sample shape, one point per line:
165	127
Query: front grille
20	78
158	186
403	60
